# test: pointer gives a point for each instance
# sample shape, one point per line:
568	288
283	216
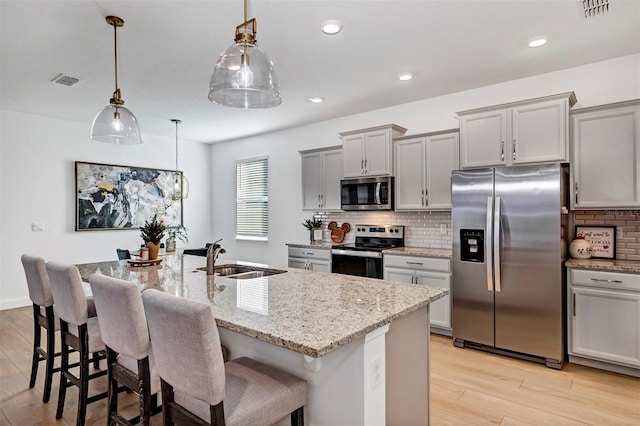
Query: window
252	198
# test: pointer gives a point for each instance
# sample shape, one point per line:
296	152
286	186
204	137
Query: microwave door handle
488	260
378	185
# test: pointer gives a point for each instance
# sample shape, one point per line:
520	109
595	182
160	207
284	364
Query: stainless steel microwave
375	193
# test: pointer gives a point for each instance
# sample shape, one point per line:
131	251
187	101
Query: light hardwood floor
468	387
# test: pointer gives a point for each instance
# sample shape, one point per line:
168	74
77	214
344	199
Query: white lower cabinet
434	272
604	320
311	259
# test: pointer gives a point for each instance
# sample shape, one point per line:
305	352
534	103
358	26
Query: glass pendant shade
117	125
176	186
248	84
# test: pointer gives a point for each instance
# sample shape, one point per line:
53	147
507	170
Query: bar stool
198	387
43	317
78	331
123	326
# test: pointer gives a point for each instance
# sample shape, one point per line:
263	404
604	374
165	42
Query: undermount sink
242	272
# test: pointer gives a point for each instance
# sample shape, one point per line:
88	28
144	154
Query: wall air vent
65	80
590	9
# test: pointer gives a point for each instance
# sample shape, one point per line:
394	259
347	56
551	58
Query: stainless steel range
364	257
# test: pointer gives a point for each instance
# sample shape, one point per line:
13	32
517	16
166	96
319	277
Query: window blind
252	198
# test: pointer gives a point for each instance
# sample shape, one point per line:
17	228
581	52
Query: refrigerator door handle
488	242
496	243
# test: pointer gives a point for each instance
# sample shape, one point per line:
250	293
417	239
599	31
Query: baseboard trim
14	303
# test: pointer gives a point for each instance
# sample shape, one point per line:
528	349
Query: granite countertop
318	245
419	251
312	313
628	266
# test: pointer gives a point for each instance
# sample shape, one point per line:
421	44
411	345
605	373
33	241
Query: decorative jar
580	248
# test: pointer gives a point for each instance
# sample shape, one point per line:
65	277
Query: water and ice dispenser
472	245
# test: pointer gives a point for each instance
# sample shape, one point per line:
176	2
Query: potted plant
151	233
314	225
177	233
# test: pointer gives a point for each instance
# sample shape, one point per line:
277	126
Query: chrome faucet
212	255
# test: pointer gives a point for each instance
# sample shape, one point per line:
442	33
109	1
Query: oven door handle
356	253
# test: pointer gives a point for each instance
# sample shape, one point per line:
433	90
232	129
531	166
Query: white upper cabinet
532	131
605	157
321	174
423	165
368	152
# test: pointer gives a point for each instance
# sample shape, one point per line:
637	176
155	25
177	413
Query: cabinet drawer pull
600	280
414	263
308	253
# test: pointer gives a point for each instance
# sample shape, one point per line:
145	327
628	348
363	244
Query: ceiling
167	50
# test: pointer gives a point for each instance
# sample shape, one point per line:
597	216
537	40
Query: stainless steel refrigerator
508	275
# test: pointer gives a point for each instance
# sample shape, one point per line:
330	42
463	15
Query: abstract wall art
122	197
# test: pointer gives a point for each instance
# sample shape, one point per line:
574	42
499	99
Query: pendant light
243	76
176	185
115	123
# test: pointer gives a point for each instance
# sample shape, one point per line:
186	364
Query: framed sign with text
602	239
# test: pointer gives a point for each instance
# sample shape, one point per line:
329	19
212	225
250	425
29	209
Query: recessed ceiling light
331	27
316	99
405	76
541	41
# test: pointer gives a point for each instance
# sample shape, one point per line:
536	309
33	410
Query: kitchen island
361	343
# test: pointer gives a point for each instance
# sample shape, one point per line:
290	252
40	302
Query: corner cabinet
423	165
434	272
531	131
604	320
605	163
321	174
311	259
368	152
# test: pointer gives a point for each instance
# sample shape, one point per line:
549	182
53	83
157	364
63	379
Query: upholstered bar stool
78	331
123	326
43	317
198	387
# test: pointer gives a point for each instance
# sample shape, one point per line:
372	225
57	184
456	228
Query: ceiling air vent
65	80
590	9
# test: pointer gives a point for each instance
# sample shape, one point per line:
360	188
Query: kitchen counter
419	251
628	266
362	344
312	313
318	245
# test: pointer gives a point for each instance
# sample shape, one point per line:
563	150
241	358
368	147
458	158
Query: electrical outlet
376	372
37	227
443	228
619	232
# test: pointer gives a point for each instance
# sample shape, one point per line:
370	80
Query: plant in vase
177	233
151	233
314	225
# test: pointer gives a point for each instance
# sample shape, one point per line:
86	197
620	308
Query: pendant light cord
115	50
245	11
177	144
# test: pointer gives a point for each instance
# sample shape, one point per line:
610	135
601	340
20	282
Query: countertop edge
604	265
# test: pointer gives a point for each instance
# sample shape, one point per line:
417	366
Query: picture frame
602	239
114	197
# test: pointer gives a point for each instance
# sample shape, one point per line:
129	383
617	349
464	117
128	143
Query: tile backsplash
627	224
421	229
424	229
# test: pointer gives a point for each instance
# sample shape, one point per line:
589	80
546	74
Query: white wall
594	84
37	174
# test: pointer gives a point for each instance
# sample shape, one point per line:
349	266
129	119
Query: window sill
250	238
